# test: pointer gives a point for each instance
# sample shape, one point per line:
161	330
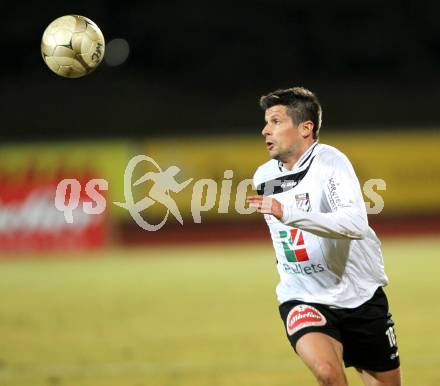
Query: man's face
282	136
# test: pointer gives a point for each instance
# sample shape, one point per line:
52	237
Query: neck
296	155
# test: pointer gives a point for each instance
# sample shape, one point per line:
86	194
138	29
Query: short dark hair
302	105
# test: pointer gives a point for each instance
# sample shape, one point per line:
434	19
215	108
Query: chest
306	195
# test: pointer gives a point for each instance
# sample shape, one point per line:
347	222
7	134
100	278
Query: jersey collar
303	160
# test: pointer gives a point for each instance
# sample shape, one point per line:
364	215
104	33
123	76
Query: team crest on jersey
302	316
303	202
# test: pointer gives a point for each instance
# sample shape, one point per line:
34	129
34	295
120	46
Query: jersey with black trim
326	252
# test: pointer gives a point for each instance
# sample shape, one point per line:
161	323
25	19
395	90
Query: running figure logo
163	183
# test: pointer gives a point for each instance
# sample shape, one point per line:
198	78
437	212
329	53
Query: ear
306	129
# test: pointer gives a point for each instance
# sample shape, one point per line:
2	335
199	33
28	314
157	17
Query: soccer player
329	260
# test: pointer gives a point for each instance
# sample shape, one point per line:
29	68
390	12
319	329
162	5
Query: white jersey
326	252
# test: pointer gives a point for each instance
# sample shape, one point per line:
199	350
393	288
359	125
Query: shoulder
331	160
266	172
329	155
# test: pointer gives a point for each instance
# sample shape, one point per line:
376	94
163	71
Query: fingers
262	204
255	201
266	205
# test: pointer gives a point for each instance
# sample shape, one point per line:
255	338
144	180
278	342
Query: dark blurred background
200	67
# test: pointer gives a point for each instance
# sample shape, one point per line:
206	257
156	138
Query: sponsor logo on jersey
302	316
293	245
298	261
302	269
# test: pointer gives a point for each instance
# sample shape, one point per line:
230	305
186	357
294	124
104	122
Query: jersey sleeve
346	217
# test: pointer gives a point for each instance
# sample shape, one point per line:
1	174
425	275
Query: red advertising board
29	220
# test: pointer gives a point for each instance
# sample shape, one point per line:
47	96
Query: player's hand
266	205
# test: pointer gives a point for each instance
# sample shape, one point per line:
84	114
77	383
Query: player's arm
347	218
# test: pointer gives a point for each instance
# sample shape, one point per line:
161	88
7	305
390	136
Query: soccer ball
72	46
